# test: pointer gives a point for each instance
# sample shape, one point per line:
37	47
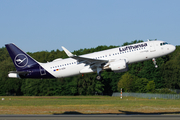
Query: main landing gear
154	61
99	77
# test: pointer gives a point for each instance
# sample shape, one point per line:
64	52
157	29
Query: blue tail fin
20	59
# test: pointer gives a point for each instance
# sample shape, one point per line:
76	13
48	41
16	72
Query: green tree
126	82
140	85
150	86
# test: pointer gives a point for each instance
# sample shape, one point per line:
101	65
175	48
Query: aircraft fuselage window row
73	63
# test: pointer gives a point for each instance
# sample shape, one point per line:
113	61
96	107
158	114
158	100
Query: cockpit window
164	43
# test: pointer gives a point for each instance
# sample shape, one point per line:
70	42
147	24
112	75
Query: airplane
116	60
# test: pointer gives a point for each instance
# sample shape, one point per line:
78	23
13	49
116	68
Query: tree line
141	77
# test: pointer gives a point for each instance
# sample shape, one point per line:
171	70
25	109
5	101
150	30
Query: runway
90	117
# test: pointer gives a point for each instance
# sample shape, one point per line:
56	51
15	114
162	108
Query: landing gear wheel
154	61
98	77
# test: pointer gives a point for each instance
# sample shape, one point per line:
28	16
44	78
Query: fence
148	95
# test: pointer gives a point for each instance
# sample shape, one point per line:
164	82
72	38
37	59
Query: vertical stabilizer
20	59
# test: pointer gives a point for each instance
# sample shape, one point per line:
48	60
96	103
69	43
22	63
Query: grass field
86	105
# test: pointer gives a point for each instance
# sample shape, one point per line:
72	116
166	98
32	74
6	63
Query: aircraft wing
88	61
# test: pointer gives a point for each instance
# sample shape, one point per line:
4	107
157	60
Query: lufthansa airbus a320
116	59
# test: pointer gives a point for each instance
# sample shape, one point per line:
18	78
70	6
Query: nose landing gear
154	61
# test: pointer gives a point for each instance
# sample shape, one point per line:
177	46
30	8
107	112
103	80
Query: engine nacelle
119	66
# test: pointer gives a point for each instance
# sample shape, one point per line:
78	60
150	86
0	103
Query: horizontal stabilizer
19	72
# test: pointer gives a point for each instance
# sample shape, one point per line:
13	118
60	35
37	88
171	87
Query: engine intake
119	66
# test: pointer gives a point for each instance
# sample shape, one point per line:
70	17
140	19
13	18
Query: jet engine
119	66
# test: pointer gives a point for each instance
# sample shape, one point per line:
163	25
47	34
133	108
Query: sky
45	25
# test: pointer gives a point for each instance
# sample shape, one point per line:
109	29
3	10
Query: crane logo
21	60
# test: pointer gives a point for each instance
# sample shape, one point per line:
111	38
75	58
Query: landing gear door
42	71
152	46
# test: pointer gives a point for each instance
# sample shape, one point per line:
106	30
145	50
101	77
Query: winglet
67	52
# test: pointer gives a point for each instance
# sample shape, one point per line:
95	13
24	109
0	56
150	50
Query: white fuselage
131	53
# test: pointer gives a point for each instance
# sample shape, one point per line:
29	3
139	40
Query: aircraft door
152	47
42	71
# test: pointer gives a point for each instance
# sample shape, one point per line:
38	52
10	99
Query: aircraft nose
173	48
